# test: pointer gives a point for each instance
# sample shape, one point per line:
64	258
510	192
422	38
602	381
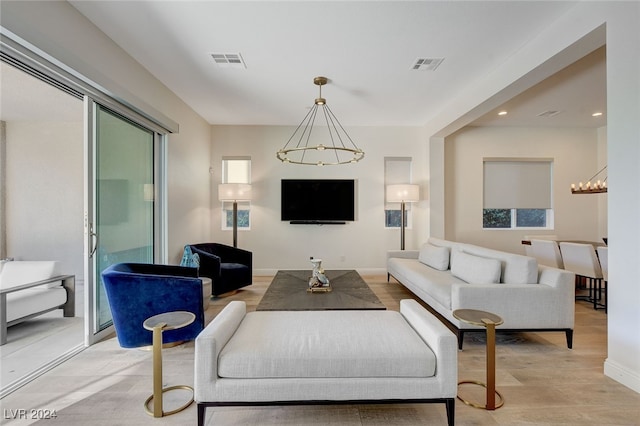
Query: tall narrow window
236	170
397	170
517	193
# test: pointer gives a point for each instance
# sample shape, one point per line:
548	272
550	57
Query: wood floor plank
542	381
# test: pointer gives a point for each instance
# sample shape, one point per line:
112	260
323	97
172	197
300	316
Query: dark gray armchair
229	268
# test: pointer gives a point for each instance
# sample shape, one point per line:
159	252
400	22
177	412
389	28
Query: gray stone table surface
288	292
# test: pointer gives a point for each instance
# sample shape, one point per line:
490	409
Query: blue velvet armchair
137	291
229	268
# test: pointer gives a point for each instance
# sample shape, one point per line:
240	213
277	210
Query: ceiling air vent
427	64
550	113
228	60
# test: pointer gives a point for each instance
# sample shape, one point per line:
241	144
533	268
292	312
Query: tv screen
318	200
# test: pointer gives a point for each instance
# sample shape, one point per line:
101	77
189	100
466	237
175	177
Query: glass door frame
36	62
93	331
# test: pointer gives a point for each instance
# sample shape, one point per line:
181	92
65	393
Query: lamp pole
234	192
402	224
403	194
235	223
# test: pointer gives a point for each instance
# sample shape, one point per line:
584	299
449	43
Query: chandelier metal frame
341	142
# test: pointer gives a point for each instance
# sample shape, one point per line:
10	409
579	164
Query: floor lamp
402	194
234	192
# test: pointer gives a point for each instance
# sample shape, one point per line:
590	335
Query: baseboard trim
623	375
265	272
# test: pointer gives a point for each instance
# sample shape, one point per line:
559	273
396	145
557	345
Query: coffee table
288	292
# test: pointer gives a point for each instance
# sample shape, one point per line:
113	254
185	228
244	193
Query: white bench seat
314	344
325	357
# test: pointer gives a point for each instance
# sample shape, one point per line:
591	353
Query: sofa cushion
189	258
475	269
313	344
421	278
29	301
21	272
436	257
516	269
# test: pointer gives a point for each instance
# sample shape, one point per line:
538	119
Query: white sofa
325	357
448	275
31	288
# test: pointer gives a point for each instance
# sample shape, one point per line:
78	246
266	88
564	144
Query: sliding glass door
121	196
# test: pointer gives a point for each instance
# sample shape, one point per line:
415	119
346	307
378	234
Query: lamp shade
399	193
234	192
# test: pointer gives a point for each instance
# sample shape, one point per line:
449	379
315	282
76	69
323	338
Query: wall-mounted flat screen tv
318	200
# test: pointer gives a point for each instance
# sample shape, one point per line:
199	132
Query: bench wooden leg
451	411
569	334
201	414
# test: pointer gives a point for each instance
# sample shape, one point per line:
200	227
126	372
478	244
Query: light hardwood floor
542	381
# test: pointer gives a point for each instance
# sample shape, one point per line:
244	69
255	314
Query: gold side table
158	324
489	321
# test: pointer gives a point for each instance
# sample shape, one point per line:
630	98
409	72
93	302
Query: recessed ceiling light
596	114
502	113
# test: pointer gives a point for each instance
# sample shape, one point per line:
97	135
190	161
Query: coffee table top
288	292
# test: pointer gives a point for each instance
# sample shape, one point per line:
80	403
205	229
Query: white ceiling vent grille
427	64
550	113
228	60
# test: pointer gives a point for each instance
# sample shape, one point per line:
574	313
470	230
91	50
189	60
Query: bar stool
603	257
581	259
547	253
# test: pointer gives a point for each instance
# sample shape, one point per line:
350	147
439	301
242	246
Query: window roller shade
517	184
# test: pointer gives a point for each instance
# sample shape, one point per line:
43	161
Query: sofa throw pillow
189	258
434	256
475	269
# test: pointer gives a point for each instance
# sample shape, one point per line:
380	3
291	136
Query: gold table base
157	324
486	406
489	321
162	413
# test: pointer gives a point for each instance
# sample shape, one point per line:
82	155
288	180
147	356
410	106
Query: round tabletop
476	317
170	320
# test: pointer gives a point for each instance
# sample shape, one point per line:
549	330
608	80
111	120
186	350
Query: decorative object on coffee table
288	292
318	281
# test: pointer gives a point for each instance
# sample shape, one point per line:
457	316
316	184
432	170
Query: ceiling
367	49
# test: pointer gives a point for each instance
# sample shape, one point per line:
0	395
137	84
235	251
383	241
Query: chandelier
339	148
598	187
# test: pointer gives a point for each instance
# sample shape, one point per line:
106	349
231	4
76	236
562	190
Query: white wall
603	199
623	135
361	244
574	35
44	184
575	158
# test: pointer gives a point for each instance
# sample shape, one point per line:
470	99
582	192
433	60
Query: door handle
94	238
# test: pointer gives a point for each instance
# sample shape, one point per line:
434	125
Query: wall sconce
402	194
234	192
